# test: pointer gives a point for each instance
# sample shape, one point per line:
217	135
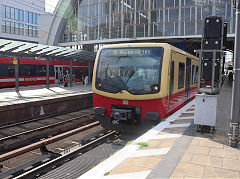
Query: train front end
127	86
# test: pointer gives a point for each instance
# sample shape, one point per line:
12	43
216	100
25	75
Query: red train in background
33	71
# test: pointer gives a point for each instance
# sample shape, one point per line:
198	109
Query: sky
50	5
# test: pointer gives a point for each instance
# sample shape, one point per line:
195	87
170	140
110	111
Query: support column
179	17
135	20
88	23
98	27
235	112
214	8
149	18
164	18
122	19
79	24
231	21
110	20
17	73
71	74
47	71
89	72
196	20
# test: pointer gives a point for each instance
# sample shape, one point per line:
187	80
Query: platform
175	150
35	101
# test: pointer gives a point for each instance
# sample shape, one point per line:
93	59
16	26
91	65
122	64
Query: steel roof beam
36	51
64	53
57	52
3	45
24	50
13	48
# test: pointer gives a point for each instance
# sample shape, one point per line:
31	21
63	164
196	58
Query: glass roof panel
49	49
58	51
24	48
11	47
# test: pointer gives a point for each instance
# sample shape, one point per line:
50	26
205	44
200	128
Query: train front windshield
136	70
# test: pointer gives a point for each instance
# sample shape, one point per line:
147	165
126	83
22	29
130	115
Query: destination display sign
130	52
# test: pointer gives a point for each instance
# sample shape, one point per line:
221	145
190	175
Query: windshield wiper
119	57
113	86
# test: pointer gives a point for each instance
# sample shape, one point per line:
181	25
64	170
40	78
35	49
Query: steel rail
64	158
44	127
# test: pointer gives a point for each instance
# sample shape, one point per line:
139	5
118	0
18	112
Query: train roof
164	45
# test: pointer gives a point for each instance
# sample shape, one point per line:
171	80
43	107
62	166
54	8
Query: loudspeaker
210	44
207	70
213	27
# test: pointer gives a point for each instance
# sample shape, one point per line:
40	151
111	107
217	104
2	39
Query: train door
188	79
57	70
171	97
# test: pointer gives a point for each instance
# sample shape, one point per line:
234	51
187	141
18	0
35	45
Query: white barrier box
205	110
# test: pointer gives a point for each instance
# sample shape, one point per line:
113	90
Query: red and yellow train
140	82
33	71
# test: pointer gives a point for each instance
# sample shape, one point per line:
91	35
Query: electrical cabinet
205	110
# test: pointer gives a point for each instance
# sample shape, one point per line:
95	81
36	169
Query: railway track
46	167
37	158
50	160
24	133
41	158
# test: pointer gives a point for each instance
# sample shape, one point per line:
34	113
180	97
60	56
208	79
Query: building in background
89	24
20	19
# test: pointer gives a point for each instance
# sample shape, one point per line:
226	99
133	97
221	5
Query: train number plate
125	102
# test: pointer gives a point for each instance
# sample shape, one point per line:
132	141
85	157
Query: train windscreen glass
136	70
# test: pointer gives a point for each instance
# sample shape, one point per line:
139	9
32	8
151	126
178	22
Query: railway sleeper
35	137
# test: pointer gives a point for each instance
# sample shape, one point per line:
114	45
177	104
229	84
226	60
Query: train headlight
99	84
155	88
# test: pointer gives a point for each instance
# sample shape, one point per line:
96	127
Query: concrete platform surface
38	101
8	96
174	149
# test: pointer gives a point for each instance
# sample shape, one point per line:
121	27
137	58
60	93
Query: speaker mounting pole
235	111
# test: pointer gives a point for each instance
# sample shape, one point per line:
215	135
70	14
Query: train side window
51	70
42	70
172	78
196	75
3	70
181	73
193	74
30	70
77	73
11	70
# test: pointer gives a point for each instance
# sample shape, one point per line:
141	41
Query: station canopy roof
27	49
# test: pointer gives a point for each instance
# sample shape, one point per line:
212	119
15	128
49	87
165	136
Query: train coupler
121	114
